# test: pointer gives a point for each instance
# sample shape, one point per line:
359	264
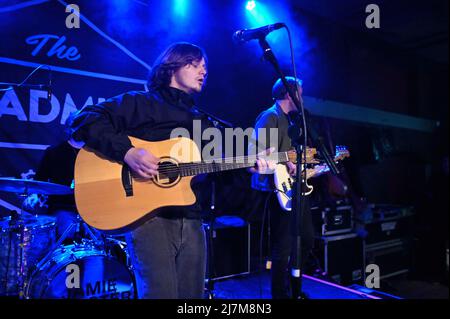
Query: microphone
245	35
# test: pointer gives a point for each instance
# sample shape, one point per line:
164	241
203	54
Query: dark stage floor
257	286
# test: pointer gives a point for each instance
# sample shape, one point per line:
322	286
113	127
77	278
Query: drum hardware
29	186
22	223
118	249
80	226
31	274
24	239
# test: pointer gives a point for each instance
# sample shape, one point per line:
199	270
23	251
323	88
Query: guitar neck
227	164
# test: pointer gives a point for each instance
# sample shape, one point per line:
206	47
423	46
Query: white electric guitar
284	182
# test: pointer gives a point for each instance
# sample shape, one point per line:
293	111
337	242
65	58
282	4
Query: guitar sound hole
168	174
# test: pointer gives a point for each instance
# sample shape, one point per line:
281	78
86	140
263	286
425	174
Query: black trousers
169	258
282	243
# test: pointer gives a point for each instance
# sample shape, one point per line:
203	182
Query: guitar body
284	184
100	194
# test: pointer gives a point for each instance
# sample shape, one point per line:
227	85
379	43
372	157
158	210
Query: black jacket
149	116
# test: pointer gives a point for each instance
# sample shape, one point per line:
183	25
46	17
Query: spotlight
180	8
250	5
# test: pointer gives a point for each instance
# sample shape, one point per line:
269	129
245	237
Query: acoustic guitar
108	196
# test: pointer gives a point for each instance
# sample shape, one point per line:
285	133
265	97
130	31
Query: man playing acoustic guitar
168	251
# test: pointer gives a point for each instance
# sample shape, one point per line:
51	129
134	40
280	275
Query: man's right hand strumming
142	162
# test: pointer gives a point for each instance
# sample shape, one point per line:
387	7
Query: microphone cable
28	76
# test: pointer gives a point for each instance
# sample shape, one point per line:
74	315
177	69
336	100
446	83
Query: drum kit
34	264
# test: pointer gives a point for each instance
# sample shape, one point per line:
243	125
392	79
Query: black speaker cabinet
341	257
230	247
388	241
393	257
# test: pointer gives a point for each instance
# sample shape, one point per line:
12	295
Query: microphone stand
298	208
210	252
294	133
214	120
218	123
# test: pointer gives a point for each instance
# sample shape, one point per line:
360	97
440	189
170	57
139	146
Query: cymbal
29	186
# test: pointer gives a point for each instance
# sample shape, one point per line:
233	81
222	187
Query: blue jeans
169	258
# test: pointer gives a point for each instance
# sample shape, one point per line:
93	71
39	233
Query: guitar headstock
310	152
341	152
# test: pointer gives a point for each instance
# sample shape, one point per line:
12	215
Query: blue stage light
258	16
250	5
180	8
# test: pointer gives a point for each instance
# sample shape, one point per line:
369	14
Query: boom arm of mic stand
269	56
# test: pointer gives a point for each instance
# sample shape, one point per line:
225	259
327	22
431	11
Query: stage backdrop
118	40
82	66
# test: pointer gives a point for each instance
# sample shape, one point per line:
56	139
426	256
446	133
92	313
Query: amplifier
393	257
377	212
385	229
388	240
230	247
332	221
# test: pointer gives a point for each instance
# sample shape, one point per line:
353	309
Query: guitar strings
194	165
199	165
184	167
202	164
189	170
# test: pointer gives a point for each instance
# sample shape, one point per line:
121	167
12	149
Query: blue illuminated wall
119	40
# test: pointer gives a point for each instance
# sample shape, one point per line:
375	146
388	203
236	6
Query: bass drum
81	272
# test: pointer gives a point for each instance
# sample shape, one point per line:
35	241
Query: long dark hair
174	57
